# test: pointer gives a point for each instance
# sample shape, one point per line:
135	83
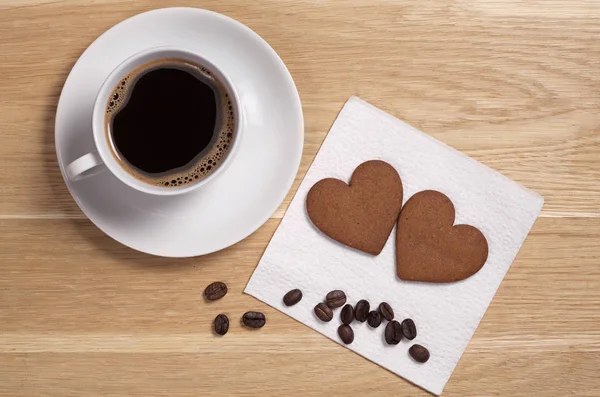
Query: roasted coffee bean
374	319
254	319
419	353
346	334
335	299
386	311
221	324
409	329
215	291
292	297
347	314
323	312
393	333
361	310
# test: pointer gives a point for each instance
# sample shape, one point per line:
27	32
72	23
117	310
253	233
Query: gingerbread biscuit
363	214
429	248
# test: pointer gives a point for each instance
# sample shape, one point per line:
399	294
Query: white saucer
253	186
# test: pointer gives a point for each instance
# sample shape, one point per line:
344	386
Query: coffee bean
292	297
323	312
347	314
393	333
335	299
254	319
386	311
346	334
215	291
419	353
221	324
361	310
374	319
409	329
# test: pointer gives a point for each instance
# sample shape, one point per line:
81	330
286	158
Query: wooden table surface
513	83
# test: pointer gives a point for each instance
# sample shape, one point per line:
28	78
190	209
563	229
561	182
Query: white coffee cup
86	165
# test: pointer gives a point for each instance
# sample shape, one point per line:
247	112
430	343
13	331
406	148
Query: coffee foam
208	160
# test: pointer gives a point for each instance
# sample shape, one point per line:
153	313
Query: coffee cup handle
80	168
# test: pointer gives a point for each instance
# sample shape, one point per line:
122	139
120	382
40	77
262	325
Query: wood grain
514	84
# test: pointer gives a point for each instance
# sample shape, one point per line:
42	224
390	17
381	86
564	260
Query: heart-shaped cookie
361	215
429	248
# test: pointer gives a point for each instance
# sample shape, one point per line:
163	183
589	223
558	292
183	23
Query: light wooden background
513	83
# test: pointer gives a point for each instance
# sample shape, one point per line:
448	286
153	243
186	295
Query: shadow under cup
167	121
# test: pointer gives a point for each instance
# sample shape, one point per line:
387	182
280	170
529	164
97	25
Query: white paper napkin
299	256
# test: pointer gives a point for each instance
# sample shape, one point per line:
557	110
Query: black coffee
170	122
